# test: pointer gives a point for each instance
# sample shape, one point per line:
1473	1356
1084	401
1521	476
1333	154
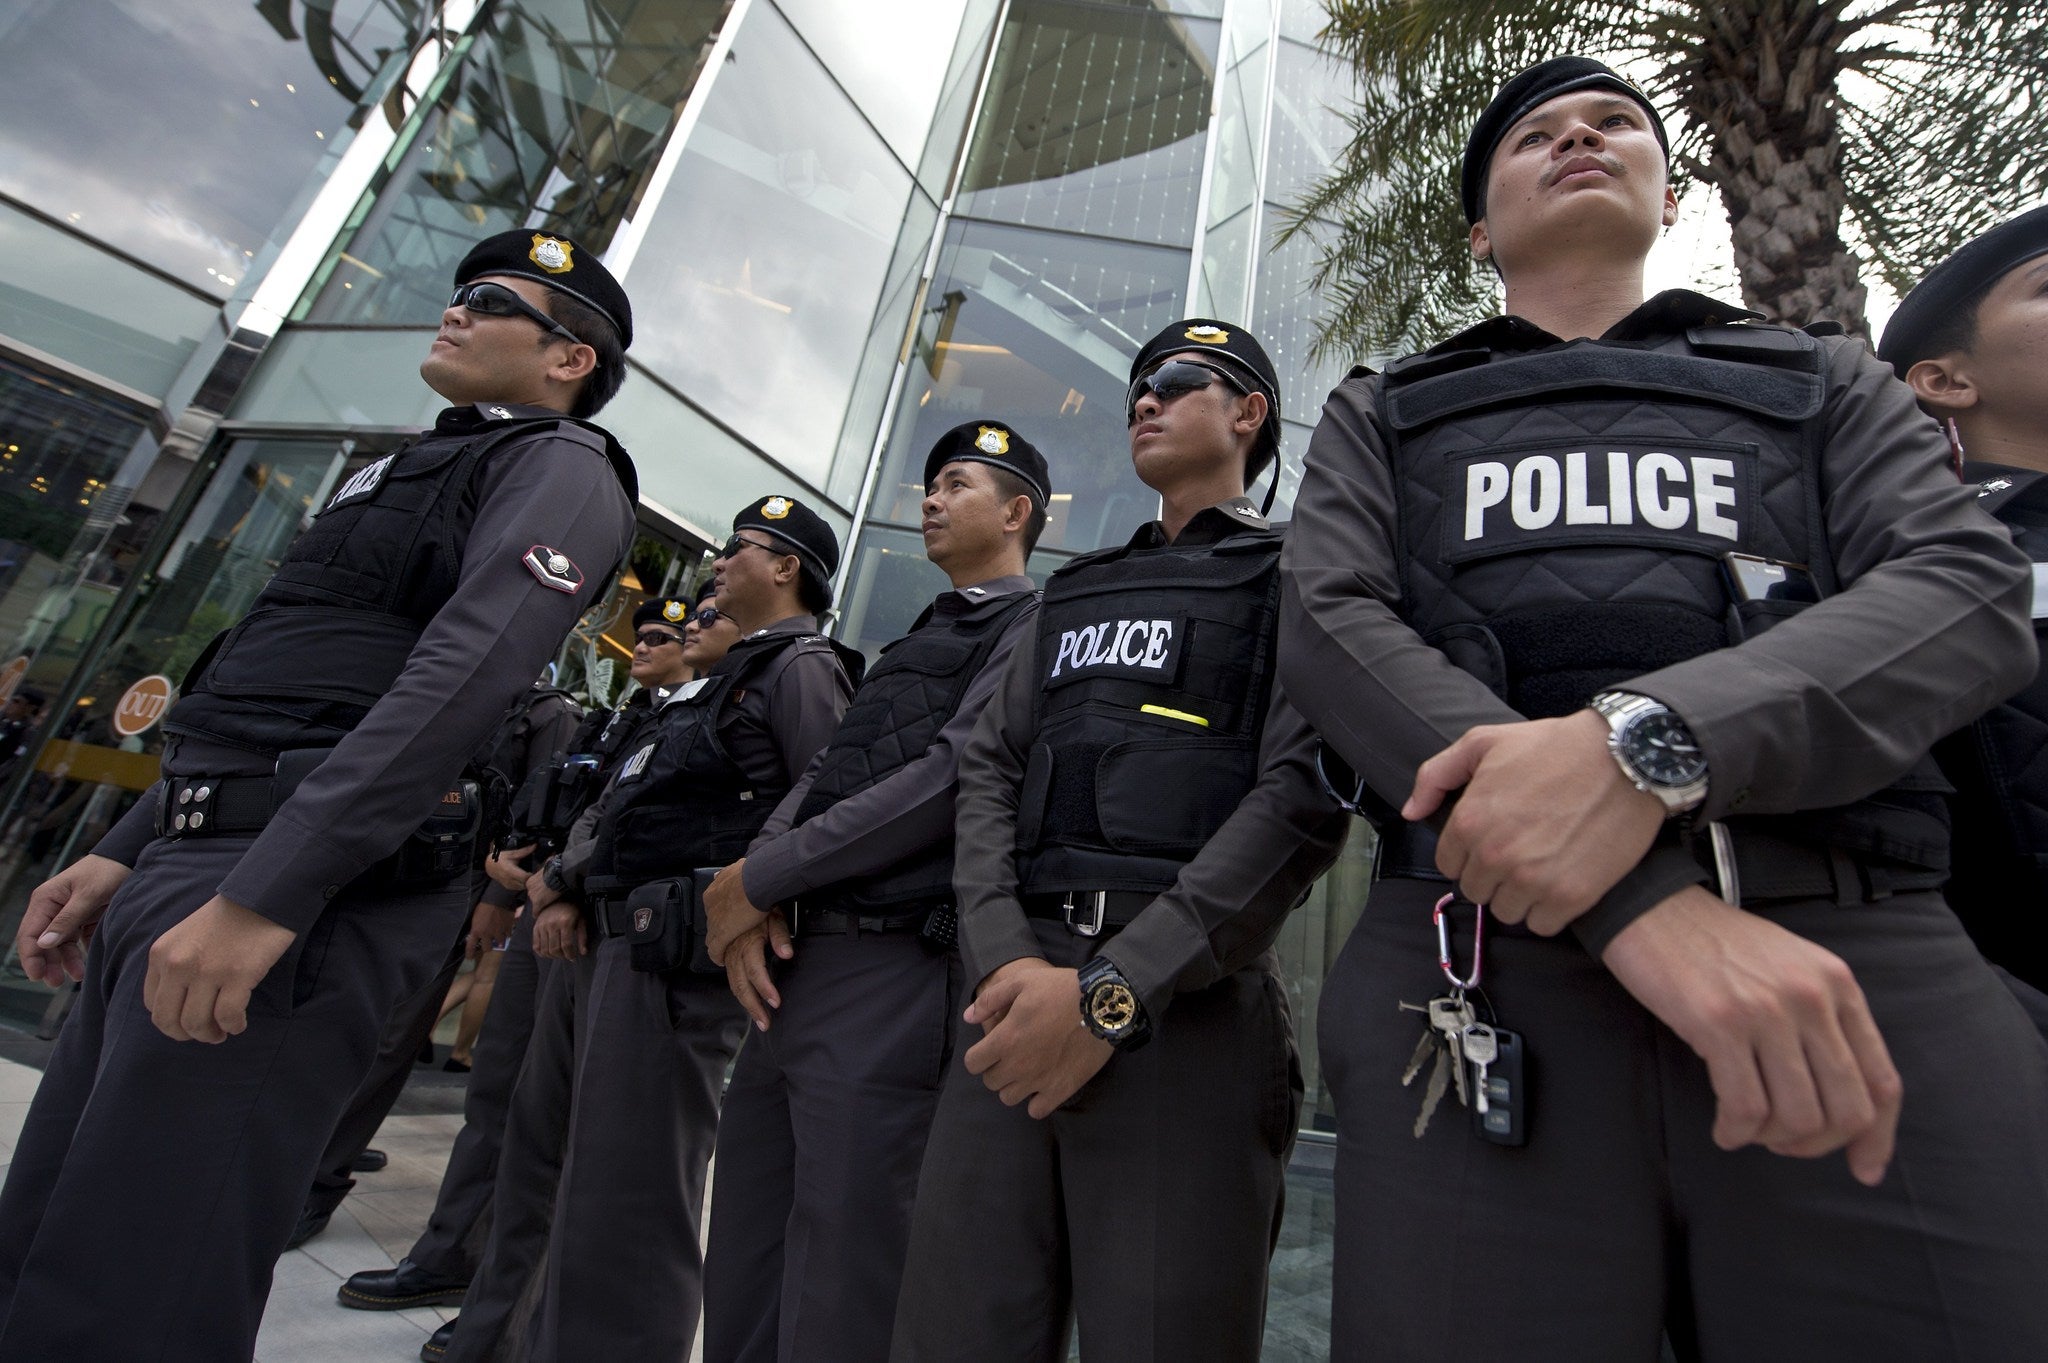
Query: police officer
1676	604
852	879
534	730
623	1273
561	779
1969	339
289	893
1137	814
671	645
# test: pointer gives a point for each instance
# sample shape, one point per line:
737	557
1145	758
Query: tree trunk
1766	93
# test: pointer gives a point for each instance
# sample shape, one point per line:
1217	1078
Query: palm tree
1840	134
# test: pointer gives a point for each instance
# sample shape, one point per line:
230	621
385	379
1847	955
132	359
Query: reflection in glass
1096	121
767	254
68	532
183	131
553	121
895	82
1037	329
86	775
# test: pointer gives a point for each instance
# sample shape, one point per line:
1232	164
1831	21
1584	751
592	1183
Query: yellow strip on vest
1172	714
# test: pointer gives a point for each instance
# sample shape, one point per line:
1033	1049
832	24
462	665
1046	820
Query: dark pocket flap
340	654
1169	795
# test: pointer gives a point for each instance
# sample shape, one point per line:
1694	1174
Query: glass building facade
226	233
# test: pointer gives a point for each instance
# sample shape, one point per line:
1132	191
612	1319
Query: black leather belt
1089	913
215	806
1767	866
806	921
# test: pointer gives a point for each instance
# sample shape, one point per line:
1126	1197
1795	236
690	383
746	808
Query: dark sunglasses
495	300
655	638
707	616
1171	380
732	547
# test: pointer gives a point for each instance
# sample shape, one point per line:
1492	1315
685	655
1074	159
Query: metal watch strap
1620	709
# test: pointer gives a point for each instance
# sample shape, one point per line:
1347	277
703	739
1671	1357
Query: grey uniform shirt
1929	630
905	812
772	728
479	652
1228	903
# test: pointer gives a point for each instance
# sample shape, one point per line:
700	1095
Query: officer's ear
572	364
1943	385
1670	215
1482	244
1251	414
1017	513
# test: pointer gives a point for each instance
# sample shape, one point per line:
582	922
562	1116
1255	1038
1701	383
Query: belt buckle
185	806
1092	901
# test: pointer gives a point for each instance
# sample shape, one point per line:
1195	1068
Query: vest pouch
335	653
1169	795
1033	795
443	848
666	925
1754	617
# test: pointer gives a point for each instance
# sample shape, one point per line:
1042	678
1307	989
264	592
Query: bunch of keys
1481	1060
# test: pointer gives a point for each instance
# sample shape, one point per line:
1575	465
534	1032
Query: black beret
989	441
1248	359
1959	284
1539	84
664	610
556	262
802	531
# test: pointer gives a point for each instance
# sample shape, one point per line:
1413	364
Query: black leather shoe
436	1347
369	1162
311	1223
399	1289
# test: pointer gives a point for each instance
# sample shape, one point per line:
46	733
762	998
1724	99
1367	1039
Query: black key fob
1506	1119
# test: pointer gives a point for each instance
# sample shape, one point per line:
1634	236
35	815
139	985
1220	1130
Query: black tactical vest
912	693
1155	668
501	766
681	802
1999	767
331	631
1563	513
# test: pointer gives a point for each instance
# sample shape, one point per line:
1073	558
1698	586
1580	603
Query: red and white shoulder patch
553	568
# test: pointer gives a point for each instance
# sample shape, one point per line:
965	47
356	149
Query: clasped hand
1035	1049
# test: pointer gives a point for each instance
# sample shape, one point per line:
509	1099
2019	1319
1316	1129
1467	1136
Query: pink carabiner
1443	942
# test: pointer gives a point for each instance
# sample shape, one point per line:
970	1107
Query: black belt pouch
438	851
666	918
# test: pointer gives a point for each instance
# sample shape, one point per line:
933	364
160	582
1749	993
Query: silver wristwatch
1654	749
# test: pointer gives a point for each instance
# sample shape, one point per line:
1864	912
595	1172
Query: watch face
1661	749
1113	1006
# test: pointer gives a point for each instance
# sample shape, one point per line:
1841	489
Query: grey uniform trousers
156	1181
1620	1217
499	1305
1148	1206
818	1151
405	1032
624	1266
454	1239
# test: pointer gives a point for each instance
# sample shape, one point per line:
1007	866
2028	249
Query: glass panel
1226	268
764	260
554	121
1308	135
70	522
1308	944
87	774
1240	125
183	131
1037	328
1302	20
693	468
72	300
956	98
1096	121
894	79
312	377
878	353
